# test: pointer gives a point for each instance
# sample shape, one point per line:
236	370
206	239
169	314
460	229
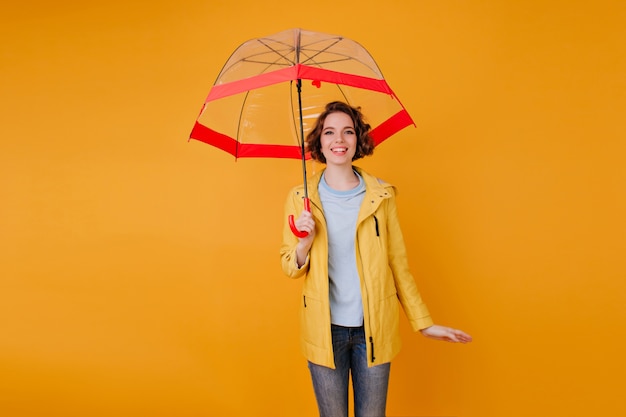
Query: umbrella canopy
272	89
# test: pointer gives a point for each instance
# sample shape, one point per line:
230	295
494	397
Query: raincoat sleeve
408	293
293	206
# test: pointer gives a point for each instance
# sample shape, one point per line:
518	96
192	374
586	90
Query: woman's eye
349	132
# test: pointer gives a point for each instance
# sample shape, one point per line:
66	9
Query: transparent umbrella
272	89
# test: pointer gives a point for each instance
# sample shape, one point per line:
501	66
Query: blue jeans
369	384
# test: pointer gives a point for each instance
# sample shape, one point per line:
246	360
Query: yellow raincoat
386	281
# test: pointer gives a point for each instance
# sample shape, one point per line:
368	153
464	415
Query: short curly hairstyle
365	143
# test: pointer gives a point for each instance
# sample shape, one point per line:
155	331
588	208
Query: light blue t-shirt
341	210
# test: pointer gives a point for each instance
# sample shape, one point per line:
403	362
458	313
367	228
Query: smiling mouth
340	150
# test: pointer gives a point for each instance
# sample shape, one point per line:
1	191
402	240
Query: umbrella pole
307	203
302	148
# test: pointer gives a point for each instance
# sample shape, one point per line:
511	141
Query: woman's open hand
446	334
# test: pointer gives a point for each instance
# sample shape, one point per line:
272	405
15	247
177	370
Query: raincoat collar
376	191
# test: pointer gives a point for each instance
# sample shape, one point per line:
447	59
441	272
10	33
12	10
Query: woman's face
338	140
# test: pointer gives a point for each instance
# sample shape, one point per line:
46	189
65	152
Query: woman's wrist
302	252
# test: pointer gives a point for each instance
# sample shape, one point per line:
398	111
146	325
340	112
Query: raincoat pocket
386	315
311	317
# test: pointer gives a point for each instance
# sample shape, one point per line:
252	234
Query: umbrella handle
292	223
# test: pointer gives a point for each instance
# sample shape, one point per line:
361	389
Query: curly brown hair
364	144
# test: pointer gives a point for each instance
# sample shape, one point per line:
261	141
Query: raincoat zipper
366	290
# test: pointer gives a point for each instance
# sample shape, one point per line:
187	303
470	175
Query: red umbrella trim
204	134
295	72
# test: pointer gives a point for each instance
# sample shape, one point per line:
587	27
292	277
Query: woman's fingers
305	222
461	336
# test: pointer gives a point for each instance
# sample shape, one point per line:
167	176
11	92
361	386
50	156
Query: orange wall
140	273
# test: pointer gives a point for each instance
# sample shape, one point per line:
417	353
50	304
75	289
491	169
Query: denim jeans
369	384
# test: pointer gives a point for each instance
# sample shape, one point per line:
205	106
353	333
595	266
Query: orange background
140	273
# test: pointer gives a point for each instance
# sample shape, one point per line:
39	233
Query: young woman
355	270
